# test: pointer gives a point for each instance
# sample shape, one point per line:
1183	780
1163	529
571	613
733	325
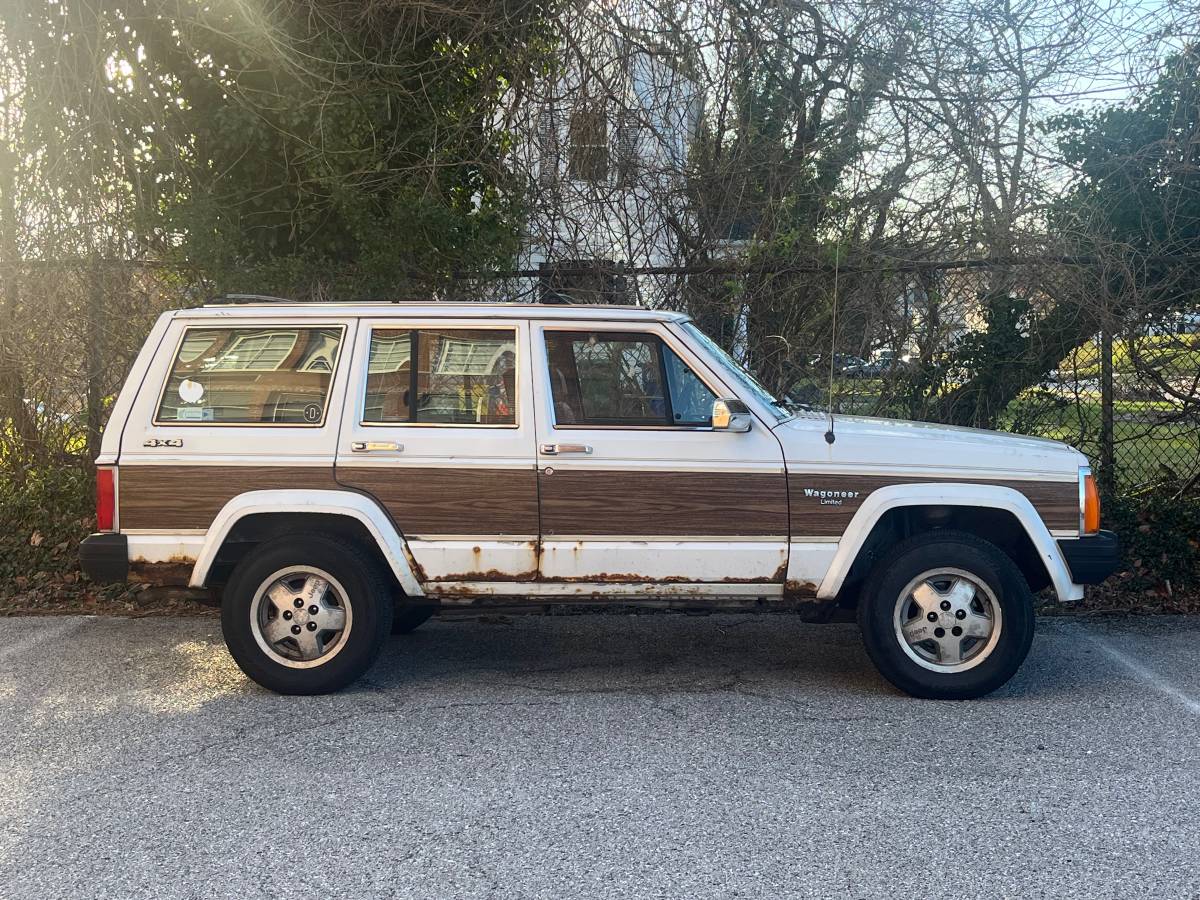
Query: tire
989	603
409	618
262	593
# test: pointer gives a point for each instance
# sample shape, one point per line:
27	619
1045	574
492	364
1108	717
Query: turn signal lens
106	499
1089	514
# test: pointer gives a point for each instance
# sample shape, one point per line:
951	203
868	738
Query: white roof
378	310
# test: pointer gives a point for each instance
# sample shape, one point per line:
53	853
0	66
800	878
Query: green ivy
1160	539
43	516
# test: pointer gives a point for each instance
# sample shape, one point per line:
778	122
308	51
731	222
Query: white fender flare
336	503
948	494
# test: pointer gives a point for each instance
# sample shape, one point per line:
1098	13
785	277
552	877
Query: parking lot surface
596	756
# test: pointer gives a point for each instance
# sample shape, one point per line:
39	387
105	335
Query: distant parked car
881	364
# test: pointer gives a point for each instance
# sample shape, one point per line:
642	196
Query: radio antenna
830	437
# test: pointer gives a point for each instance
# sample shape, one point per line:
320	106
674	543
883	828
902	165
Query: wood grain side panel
171	497
1057	502
618	504
484	502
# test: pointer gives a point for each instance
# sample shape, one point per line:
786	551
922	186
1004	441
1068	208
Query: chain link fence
1068	349
1052	348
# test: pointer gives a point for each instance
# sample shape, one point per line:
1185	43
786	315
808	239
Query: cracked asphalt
596	756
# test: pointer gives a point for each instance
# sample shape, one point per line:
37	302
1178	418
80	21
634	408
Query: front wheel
946	616
306	614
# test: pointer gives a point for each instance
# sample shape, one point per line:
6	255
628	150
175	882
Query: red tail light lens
106	499
1091	505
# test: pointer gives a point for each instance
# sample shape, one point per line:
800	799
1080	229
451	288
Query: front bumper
104	558
1093	558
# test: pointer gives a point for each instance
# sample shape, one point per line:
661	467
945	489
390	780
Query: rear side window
631	379
462	376
251	376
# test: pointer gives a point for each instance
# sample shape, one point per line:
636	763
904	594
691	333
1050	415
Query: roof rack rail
247	298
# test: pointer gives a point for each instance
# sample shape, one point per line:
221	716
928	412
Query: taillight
106	498
1089	503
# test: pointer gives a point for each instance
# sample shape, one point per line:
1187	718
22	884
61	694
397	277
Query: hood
896	445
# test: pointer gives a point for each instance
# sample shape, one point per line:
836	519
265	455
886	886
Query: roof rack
236	299
247	298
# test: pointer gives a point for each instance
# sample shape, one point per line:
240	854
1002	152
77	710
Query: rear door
635	486
438	427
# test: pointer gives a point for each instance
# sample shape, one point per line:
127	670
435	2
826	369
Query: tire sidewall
983	561
367	595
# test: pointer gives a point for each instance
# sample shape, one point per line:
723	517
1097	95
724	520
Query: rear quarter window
277	375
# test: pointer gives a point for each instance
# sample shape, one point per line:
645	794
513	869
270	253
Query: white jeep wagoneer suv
339	471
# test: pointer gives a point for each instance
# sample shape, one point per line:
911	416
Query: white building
606	144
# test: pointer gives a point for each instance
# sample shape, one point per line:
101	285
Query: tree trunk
95	327
13	406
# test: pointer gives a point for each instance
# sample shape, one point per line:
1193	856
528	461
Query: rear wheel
306	614
946	616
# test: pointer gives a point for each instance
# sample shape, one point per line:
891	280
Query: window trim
400	325
340	327
623	328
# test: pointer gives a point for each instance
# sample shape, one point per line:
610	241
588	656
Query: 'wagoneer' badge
830	498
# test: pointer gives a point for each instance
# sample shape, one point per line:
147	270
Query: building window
589	142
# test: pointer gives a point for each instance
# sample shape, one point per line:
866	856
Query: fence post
1108	472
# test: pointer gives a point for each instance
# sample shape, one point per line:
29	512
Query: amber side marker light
1089	503
106	498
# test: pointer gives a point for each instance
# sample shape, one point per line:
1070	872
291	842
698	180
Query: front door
438	427
635	486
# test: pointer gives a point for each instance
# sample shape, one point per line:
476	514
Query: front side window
461	376
251	376
618	378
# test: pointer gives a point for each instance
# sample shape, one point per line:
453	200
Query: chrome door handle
555	449
375	446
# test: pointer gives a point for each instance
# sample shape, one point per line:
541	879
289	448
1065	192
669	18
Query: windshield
736	372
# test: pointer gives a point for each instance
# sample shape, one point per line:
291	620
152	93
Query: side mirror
731	414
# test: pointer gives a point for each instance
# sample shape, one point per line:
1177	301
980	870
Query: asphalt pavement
596	756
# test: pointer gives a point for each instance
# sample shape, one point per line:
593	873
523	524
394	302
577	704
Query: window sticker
191	391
